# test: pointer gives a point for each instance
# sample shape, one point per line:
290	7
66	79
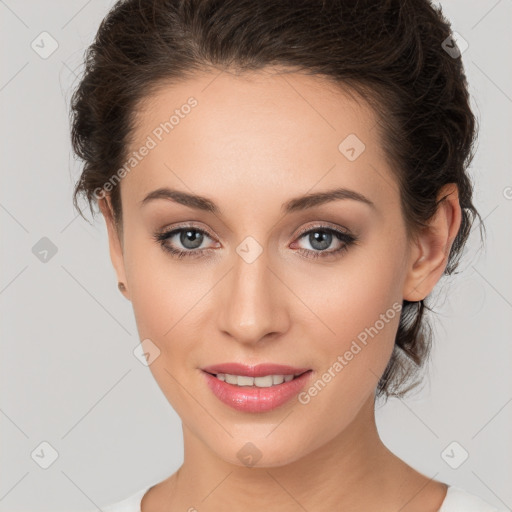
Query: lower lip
254	399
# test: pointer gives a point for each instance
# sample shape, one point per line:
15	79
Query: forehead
259	132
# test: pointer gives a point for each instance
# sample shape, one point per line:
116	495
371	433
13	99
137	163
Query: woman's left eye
322	237
191	238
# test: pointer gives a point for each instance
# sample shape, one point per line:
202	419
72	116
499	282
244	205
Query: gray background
68	374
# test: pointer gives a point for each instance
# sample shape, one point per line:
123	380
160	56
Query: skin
252	143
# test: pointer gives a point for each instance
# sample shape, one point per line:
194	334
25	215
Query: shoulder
460	500
129	504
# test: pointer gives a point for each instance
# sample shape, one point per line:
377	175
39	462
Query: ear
115	244
431	248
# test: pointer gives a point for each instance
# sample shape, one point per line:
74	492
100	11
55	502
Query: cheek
172	303
353	295
155	293
361	304
161	302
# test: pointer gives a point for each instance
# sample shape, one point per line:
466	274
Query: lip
253	399
260	370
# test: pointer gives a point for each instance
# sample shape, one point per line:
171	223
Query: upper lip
260	370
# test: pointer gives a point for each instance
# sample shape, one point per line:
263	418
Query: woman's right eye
188	237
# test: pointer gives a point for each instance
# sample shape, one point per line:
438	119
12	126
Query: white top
456	500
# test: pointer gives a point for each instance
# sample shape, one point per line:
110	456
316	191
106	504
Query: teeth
260	382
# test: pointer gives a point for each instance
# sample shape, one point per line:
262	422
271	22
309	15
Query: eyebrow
293	205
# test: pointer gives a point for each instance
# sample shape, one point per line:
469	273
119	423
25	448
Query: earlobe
115	245
431	248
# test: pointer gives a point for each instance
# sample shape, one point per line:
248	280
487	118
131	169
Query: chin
261	450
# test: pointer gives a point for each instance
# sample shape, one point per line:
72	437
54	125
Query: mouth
262	375
264	381
256	389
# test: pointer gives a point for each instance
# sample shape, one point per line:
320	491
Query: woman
283	183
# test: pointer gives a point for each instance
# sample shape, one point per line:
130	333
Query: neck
353	471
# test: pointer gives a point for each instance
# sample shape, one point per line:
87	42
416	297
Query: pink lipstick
259	388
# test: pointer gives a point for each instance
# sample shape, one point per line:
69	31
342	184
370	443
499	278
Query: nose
253	304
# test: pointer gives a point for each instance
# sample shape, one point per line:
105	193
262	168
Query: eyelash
346	238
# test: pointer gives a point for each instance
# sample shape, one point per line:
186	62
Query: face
262	278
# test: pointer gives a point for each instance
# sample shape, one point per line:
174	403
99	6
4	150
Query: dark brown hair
389	52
